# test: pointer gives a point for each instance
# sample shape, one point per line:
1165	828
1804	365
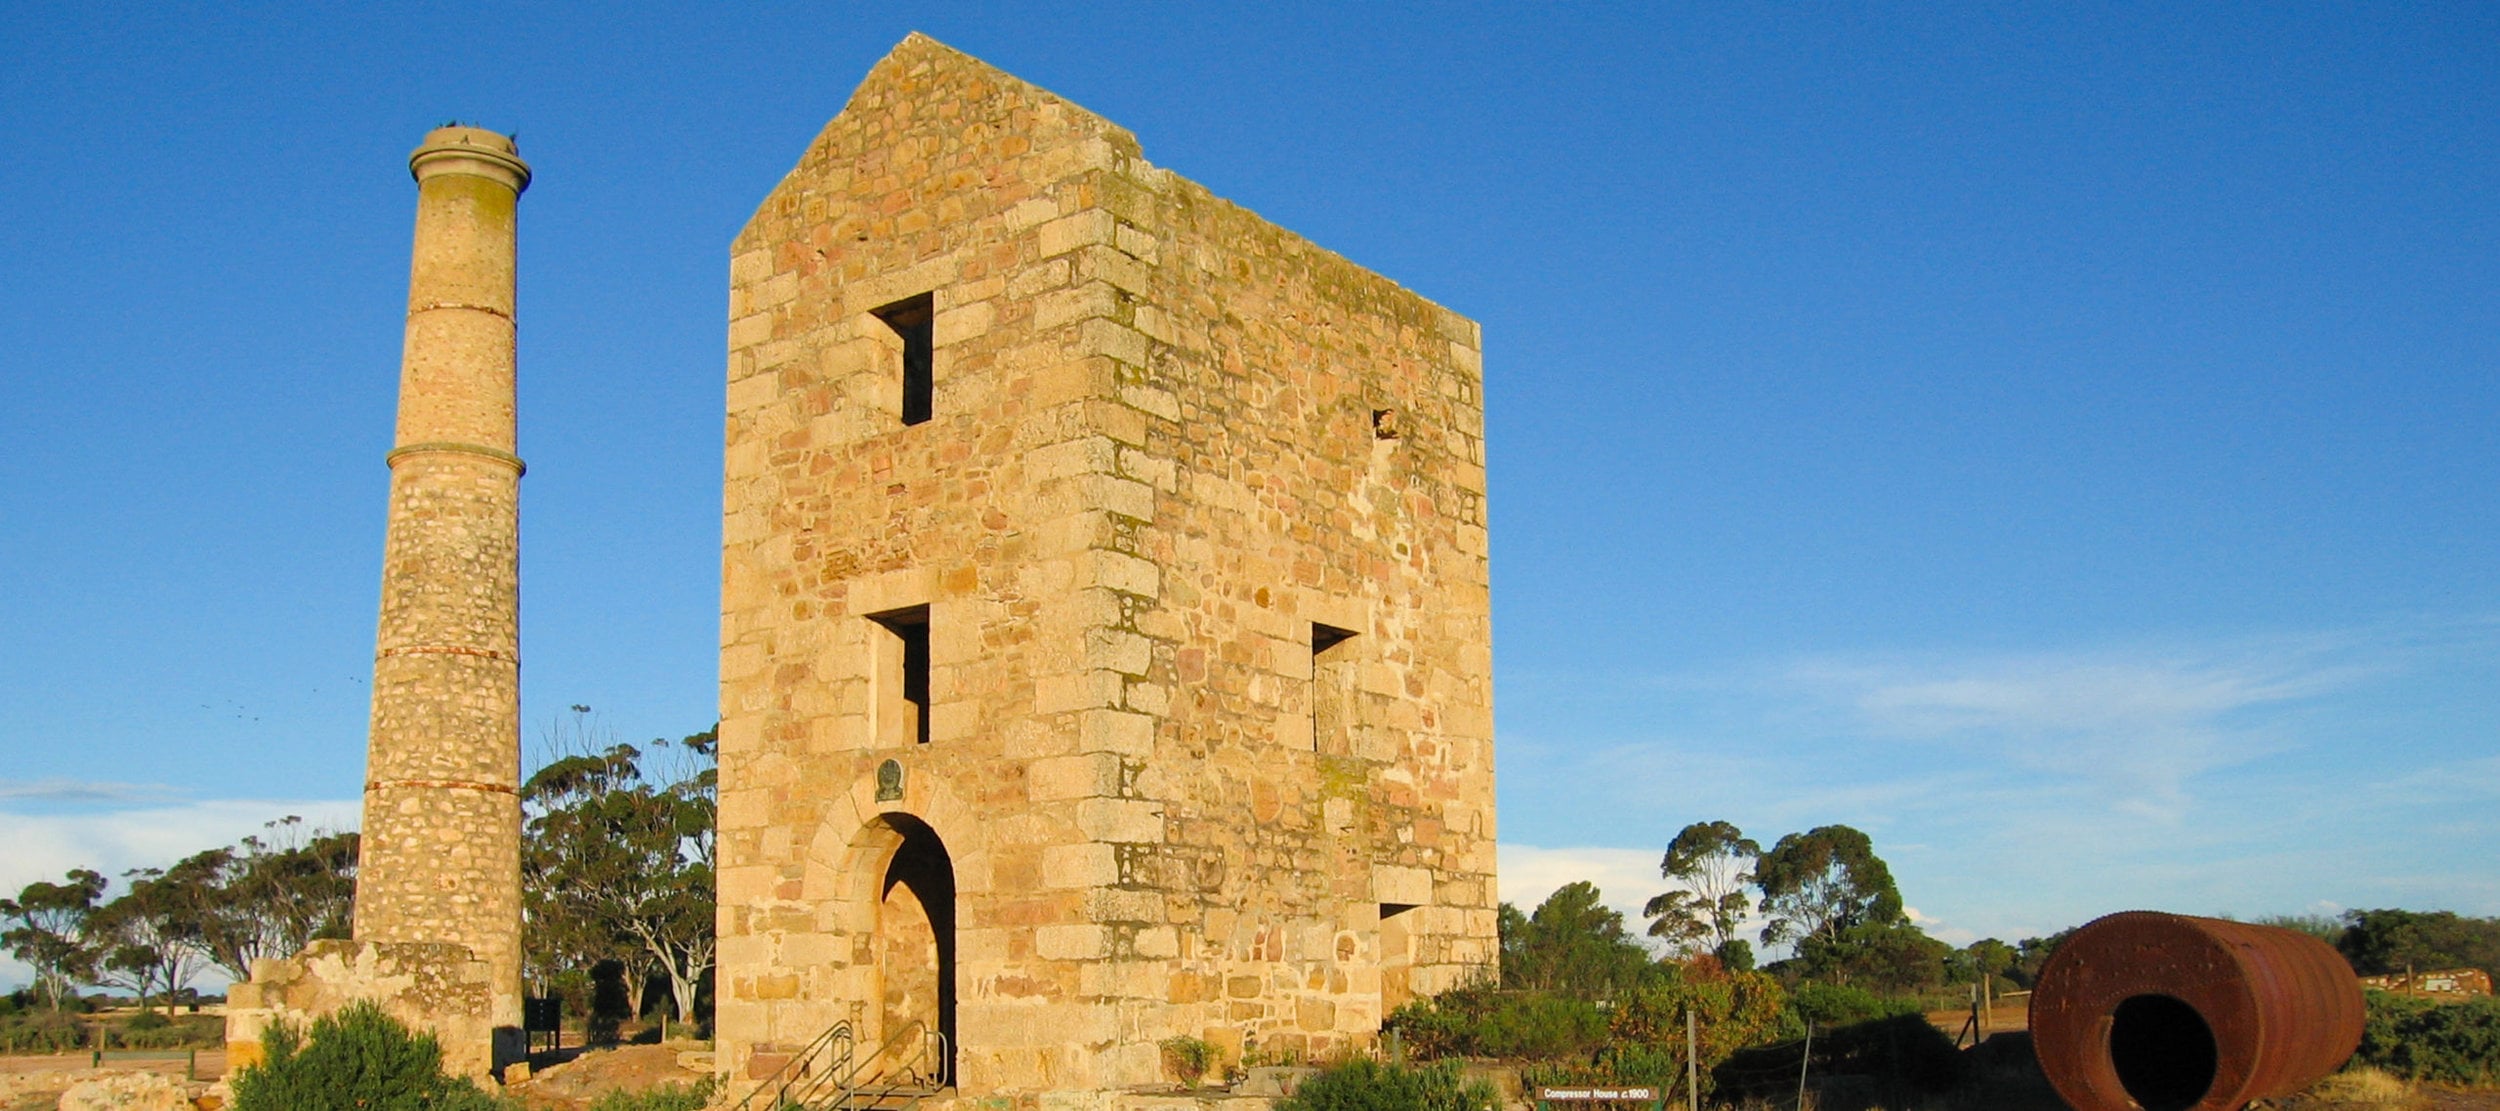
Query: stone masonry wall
440	989
442	821
439	874
1168	441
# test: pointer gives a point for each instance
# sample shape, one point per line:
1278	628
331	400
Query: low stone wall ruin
437	988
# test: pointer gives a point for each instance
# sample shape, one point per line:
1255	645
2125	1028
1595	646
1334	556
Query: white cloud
1530	873
44	846
1626	878
47	846
1956	936
81	790
2136	727
2017	793
2455	778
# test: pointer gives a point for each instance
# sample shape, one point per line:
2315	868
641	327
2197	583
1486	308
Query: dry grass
2004	1088
2363	1087
2023	1089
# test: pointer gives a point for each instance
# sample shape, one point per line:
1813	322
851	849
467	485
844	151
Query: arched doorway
916	943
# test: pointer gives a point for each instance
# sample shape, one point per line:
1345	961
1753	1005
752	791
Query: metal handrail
840	1086
906	1078
837	1044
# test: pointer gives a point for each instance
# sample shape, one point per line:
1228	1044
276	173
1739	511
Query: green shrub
1617	1063
1731	1010
666	1097
1829	1005
1484	1022
1189	1058
1273	1056
1541	1026
42	1032
147	1020
1902	1052
357	1058
1439	1026
573	987
1367	1085
1639	1040
188	1032
2422	1039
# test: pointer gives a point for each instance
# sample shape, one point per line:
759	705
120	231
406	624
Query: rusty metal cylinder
2163	1012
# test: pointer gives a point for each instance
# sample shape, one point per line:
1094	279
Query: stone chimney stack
442	816
438	890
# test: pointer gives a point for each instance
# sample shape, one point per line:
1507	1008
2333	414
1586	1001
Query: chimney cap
459	149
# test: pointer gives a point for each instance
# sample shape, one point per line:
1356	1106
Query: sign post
1692	1064
1545	1096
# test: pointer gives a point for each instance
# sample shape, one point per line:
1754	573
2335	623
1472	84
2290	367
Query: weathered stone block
1120	819
1071	943
1083	865
1070	777
1070	232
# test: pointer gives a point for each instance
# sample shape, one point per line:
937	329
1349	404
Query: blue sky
2058	442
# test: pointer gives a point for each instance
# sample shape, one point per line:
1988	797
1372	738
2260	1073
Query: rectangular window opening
1332	688
905	671
1397	956
914	320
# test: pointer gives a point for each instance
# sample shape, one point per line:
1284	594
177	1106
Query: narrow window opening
904	671
913	319
1332	688
1397	956
1384	424
1327	637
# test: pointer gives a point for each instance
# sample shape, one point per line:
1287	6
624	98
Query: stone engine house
1105	632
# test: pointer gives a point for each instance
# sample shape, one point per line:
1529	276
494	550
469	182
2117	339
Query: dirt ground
572	1085
2006	1015
35	1082
2424	1099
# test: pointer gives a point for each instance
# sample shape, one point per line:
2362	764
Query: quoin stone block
1105	633
438	891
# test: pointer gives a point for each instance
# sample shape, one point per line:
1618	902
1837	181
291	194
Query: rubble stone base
436	988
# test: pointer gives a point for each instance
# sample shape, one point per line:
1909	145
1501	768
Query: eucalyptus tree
1573	944
618	863
1818	884
271	896
48	928
1712	864
149	938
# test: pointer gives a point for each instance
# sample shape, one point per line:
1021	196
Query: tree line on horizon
617	869
265	896
616	876
1579	999
1823	893
1827	895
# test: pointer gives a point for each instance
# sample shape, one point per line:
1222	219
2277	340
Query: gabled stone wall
1170	444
